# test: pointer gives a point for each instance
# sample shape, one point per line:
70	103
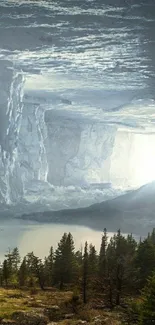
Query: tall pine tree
64	265
85	273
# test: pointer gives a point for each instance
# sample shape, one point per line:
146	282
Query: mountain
132	211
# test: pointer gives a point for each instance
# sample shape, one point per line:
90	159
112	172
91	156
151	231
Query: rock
29	318
97	319
16	296
53	313
69	316
7	322
102	321
81	322
55	308
36	304
99	306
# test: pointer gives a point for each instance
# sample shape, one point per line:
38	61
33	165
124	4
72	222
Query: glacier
76	102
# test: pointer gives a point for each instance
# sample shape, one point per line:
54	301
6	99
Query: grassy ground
12	300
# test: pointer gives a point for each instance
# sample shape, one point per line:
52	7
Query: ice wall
95	64
11	92
61	151
32	135
43	146
78	152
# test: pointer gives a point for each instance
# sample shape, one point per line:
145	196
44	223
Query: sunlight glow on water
40	237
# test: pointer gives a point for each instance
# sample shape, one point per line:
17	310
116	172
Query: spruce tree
85	272
23	273
64	265
6	272
145	260
102	257
8	258
39	271
147	310
78	258
70	256
152	236
92	266
31	269
30	261
120	263
13	261
104	270
15	257
48	266
120	260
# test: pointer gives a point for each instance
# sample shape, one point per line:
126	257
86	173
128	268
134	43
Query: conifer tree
64	266
70	265
48	266
59	261
15	257
147	310
1	275
36	270
85	272
23	273
103	258
13	261
6	272
92	266
8	258
121	268
152	236
120	260
39	272
120	263
145	260
30	260
104	269
78	257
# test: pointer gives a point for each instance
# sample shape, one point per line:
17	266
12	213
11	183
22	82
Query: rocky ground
51	308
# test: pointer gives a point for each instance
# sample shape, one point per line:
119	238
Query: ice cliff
76	100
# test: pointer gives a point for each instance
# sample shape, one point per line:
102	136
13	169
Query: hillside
135	208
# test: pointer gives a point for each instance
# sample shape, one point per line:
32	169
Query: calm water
29	236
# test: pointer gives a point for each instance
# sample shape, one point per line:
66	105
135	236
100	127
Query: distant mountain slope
129	211
144	197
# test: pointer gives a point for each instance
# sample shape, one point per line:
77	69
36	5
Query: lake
29	236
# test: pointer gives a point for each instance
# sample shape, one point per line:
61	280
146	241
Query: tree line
122	268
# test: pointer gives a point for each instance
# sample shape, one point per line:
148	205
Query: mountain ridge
133	209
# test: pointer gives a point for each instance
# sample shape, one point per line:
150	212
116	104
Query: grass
12	300
9	304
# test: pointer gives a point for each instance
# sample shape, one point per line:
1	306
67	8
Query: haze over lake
29	236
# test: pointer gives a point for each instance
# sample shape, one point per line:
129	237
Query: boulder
29	318
7	322
97	319
69	316
53	313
